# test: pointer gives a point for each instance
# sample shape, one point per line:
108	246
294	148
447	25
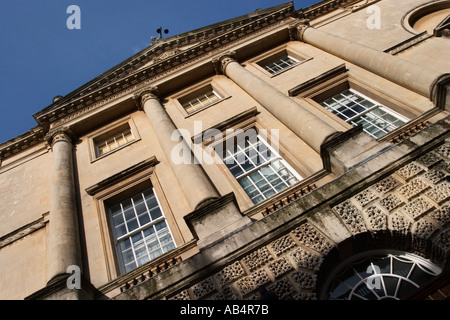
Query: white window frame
203	106
113	136
275	156
140	229
108	131
266	65
353	120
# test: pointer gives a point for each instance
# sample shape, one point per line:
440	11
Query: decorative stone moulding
297	29
128	74
410	18
22	142
24	231
145	94
220	63
404	207
60	134
132	74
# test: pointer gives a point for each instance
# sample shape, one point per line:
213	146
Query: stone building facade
302	151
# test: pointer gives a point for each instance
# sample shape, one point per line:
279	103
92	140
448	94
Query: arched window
378	275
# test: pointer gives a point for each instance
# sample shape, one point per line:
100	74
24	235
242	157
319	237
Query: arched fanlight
378	275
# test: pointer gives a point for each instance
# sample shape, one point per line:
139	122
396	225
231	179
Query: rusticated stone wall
410	207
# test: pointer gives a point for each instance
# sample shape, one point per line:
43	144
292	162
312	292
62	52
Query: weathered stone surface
388	193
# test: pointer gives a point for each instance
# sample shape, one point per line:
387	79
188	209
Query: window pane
118	219
269	193
257	199
113	141
357	109
155	213
120	230
189	108
264	186
121	140
130	267
142	260
144	219
245	182
150	239
279	64
282	185
102	148
125	244
253	194
236	170
201	101
256	176
127	252
127	256
139	205
139	242
149	232
128	211
263	180
151	202
247	166
128	135
267	171
160	226
132	225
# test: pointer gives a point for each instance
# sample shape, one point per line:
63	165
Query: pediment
165	55
158	54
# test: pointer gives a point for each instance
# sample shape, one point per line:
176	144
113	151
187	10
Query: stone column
290	112
193	181
422	80
63	246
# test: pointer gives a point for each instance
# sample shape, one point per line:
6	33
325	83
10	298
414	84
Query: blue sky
41	58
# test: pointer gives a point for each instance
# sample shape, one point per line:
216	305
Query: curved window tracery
379	276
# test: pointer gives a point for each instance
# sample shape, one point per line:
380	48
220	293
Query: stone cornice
128	74
22	142
146	76
325	7
23	231
94	189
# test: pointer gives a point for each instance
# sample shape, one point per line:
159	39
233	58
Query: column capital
440	91
220	63
60	134
146	94
297	28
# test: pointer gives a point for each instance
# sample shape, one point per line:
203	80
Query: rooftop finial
160	32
